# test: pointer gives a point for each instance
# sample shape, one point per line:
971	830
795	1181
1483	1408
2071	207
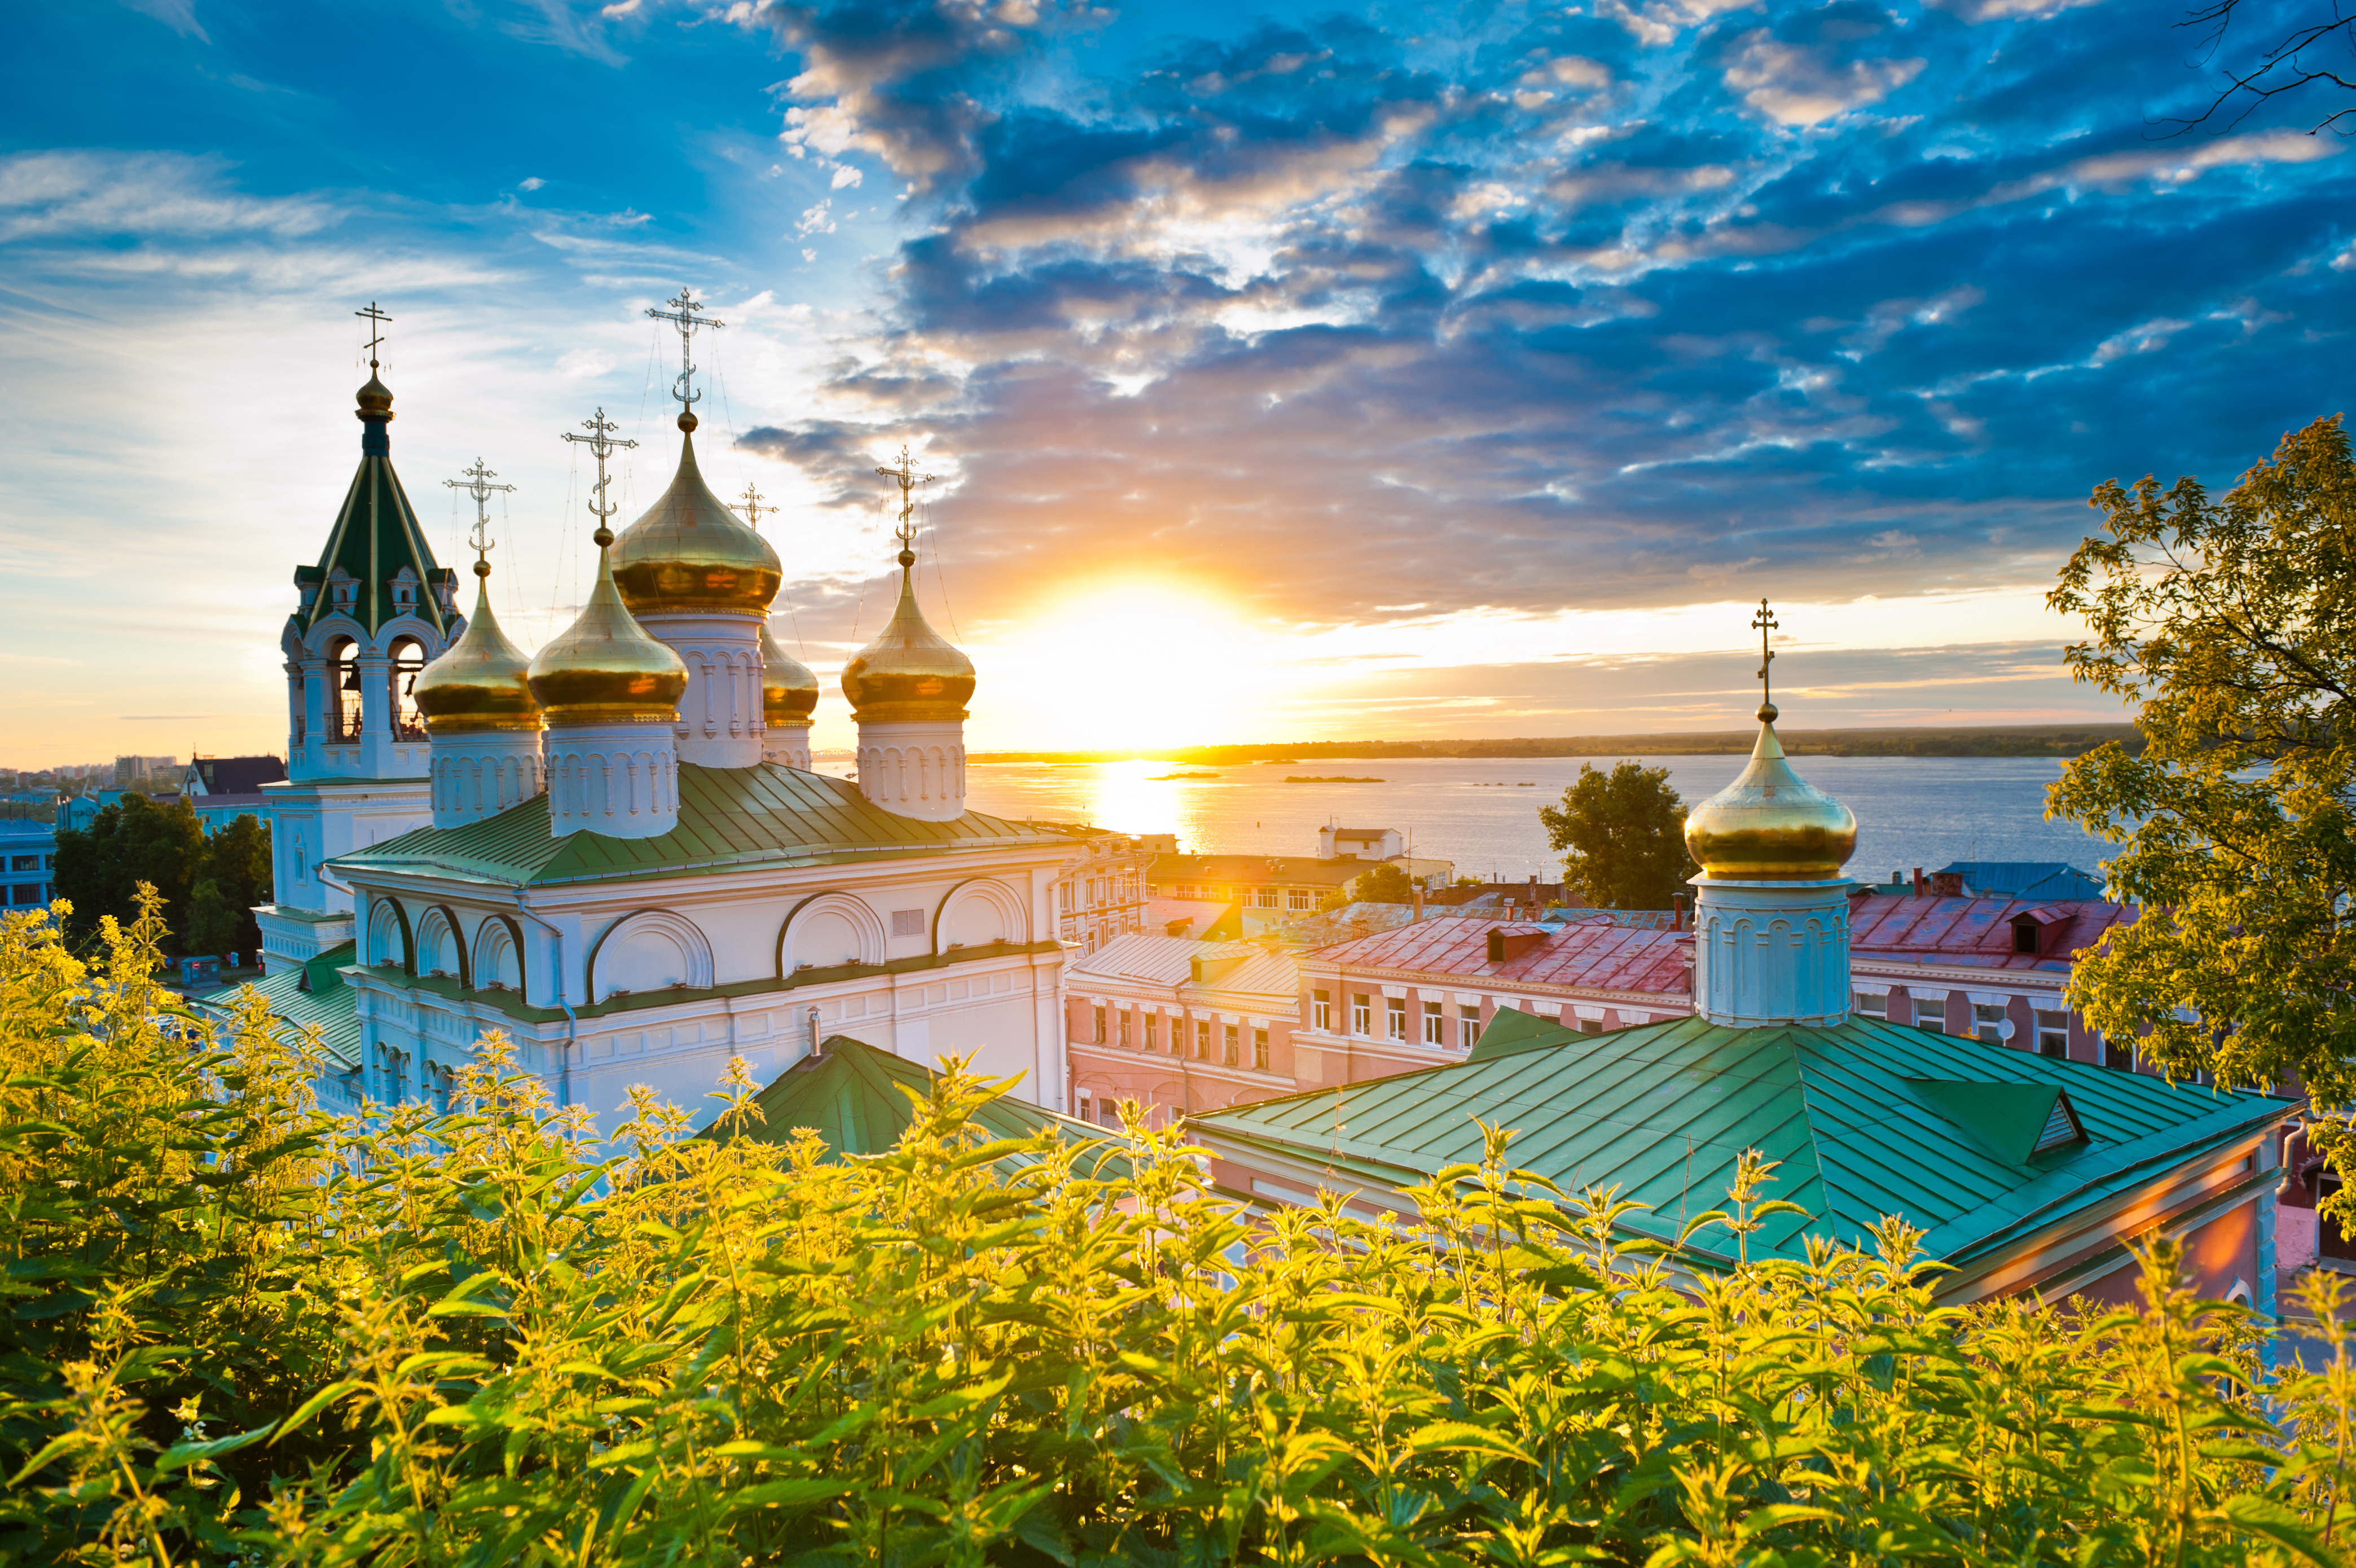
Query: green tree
2230	623
1625	834
237	869
100	867
1383	884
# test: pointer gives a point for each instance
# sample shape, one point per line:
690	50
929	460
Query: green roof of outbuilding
376	534
1865	1117
313	995
856	1098
730	818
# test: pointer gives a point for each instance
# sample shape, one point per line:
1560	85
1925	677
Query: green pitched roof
1864	1117
856	1098
376	534
313	995
729	819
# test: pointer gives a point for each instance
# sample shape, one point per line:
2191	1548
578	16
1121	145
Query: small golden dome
605	668
478	684
911	671
690	553
375	398
789	689
1771	825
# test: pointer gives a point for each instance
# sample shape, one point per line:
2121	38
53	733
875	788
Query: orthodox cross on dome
602	445
477	484
908	479
376	319
1763	623
752	506
682	316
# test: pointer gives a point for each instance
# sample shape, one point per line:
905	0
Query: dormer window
2062	1127
2024	936
404	589
343	590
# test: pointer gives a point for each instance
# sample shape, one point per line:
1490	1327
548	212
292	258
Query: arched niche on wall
498	955
388	932
650	949
828	930
978	913
440	946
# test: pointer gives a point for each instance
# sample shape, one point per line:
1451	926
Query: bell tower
369	618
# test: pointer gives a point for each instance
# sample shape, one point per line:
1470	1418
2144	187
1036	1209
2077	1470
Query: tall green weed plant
237	1330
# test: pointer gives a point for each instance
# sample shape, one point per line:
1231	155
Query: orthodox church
615	851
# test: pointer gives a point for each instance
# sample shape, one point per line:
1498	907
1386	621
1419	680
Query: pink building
1181	1027
1995	969
1419	994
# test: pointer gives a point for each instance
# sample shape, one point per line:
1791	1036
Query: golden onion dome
375	399
789	689
478	684
911	671
690	554
605	668
1771	825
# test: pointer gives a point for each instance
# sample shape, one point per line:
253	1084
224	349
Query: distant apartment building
28	854
1103	891
130	770
1179	1025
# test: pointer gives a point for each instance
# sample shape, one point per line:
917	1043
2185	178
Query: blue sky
1291	371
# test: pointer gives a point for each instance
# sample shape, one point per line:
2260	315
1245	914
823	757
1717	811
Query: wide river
1484	815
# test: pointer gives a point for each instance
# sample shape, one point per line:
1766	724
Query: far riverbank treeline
1996	740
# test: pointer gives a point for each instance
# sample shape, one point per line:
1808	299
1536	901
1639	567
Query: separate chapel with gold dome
616	850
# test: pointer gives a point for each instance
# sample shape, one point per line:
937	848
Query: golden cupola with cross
700	581
908	690
1770	908
478	706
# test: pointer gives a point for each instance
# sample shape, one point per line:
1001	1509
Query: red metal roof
1600	957
1978	931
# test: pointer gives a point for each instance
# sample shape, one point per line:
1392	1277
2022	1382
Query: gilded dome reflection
1771	825
479	682
690	554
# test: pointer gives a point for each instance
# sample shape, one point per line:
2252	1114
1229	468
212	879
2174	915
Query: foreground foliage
239	1331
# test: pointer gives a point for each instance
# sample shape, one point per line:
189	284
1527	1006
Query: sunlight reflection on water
1911	811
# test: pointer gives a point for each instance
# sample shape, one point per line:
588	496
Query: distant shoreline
1986	740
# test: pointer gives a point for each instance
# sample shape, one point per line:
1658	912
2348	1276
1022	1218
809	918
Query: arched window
408	659
343	689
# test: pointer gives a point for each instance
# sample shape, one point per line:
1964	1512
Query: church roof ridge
730	818
376	533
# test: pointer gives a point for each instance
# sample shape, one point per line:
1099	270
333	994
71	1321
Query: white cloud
2149	337
148	193
534	183
847	174
1798	86
180	15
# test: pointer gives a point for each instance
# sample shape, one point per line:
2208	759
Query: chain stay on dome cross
683	315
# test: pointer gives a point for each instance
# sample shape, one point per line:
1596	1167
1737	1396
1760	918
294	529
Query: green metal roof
313	995
856	1098
729	819
376	534
1865	1118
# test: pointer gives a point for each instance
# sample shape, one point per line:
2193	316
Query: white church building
615	851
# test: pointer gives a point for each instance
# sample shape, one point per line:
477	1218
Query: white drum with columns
720	721
787	746
620	780
1771	952
482	774
914	767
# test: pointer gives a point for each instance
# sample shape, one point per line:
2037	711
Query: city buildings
1992	969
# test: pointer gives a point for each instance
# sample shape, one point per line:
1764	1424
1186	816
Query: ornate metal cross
377	319
1765	622
602	445
682	316
751	506
908	479
477	484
